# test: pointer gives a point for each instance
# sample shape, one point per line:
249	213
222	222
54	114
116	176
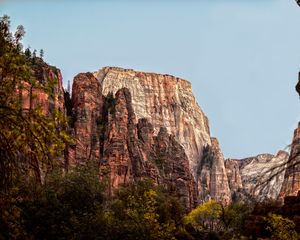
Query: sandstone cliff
166	101
263	175
233	174
211	175
87	106
154	128
48	93
291	184
107	130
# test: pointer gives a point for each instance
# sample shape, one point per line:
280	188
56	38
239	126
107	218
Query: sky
241	56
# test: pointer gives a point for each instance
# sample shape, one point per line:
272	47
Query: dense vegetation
38	200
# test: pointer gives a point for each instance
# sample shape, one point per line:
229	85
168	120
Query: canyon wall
138	125
48	94
126	119
166	101
128	149
211	175
263	175
291	184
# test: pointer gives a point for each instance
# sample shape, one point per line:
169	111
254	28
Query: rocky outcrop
291	184
131	151
48	93
120	143
262	176
173	165
106	130
233	174
166	101
87	105
211	175
154	128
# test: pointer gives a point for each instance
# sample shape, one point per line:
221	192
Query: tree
28	53
34	54
135	213
205	217
41	53
281	228
30	141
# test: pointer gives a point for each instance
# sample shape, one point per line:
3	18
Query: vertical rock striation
140	125
263	175
291	184
211	175
131	152
87	113
166	101
233	175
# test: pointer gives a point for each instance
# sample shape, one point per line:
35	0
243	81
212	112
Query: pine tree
41	53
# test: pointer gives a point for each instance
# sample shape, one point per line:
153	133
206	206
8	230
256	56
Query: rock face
35	96
140	125
131	152
166	101
211	174
154	128
291	184
87	106
262	176
107	130
233	174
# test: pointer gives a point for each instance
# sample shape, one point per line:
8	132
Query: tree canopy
29	139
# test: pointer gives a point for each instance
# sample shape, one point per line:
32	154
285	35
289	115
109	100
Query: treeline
77	206
39	200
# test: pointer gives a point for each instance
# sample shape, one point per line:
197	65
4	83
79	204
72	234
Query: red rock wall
291	184
87	112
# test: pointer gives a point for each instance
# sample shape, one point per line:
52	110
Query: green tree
41	53
29	140
281	228
205	217
135	213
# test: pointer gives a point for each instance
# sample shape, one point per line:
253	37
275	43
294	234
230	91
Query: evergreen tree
28	137
41	53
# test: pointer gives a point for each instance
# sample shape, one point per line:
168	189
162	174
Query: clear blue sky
242	56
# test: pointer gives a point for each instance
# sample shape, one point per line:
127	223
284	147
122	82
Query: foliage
281	228
214	219
205	217
68	206
29	139
136	214
75	206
